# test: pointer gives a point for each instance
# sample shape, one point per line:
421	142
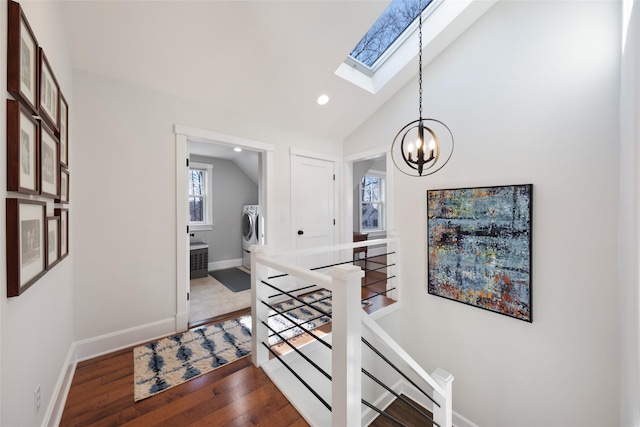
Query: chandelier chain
420	56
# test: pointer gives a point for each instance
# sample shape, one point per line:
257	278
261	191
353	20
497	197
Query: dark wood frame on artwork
16	21
63	131
64	200
50	263
15	112
14	247
48	119
63	213
56	162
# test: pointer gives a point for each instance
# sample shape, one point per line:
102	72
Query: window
200	202
372	216
390	26
391	44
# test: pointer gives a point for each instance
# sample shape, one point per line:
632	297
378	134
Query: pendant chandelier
423	146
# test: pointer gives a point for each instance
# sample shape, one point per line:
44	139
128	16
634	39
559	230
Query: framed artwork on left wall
49	163
64	131
53	241
23	150
64	187
22	59
26	244
49	94
64	231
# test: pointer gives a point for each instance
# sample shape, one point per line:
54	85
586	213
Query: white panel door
312	201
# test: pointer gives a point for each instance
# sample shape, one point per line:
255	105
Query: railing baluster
343	279
346	357
259	355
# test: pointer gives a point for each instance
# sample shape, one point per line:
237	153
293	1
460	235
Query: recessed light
237	149
323	99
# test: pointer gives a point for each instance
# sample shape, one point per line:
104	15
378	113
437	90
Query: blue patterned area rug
174	360
171	361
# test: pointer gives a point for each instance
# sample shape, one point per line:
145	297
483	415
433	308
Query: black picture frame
479	247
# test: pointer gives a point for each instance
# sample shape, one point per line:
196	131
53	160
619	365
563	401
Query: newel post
259	292
346	356
444	414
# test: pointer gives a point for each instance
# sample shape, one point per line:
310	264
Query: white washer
250	232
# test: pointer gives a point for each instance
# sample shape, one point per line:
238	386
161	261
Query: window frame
207	224
382	214
443	21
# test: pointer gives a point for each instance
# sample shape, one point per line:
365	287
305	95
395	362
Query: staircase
405	413
357	374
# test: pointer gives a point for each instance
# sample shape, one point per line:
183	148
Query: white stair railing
342	395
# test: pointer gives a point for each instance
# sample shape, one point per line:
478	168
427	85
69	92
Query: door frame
183	135
293	151
347	191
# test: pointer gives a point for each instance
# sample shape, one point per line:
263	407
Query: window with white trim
200	200
372	202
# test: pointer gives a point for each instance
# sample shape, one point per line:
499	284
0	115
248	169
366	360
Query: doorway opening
369	217
224	215
221	176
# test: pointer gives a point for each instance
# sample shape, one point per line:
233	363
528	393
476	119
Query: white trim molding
108	343
196	134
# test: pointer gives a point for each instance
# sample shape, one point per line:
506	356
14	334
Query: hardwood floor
237	394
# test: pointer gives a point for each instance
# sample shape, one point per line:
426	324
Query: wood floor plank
247	410
101	395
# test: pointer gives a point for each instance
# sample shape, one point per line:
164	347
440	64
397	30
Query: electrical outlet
36	399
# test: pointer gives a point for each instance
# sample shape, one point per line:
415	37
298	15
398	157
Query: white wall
629	232
531	94
124	210
36	330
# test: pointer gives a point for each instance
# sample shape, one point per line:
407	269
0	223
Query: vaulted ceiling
266	60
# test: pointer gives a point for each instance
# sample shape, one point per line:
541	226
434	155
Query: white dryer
250	232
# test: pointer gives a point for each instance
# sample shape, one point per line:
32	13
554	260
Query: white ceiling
248	161
263	59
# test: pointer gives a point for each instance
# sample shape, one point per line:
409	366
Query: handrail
334	248
319	279
383	357
383	336
345	368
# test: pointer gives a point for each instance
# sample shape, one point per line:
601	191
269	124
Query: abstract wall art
479	247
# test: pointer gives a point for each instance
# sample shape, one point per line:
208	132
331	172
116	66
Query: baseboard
410	391
229	263
63	385
104	344
460	421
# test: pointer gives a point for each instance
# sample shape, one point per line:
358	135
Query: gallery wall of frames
37	159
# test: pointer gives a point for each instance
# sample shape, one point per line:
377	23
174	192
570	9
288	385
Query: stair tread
404	413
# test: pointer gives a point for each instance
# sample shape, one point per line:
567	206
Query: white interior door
312	204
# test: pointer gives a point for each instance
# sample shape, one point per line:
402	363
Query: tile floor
210	298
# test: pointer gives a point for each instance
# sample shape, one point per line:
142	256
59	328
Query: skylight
378	43
391	44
